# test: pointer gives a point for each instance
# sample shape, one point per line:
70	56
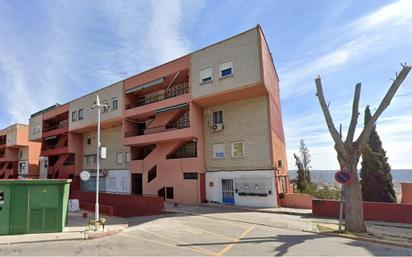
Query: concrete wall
246	121
242	49
112	139
296	200
90	115
214	192
17	135
388	212
406	193
36	127
121	205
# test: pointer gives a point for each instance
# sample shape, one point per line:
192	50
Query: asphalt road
199	235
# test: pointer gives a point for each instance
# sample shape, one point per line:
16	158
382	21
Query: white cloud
374	34
369	35
72	49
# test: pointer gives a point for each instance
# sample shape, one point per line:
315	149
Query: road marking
163	243
179	241
228	247
205	231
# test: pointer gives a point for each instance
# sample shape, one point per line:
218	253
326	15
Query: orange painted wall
34	154
295	200
406	193
54	112
271	82
158	72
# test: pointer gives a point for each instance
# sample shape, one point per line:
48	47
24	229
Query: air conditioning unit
217	127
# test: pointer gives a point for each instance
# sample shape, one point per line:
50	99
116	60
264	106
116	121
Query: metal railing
61	124
158	129
171	92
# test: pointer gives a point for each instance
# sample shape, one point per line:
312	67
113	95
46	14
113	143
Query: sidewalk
296	219
74	230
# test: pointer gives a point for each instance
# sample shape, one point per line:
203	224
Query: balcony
173	91
3	141
148	103
55	128
54	150
159	129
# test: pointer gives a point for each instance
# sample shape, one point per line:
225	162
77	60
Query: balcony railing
158	129
173	91
61	124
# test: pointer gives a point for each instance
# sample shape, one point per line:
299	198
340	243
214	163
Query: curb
254	210
43	241
353	237
97	235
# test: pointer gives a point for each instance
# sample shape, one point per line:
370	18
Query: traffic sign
344	177
84	175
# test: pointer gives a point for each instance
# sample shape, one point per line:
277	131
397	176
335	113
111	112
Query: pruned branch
363	137
355	114
329	121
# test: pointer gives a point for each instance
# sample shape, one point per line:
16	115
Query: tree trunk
354	220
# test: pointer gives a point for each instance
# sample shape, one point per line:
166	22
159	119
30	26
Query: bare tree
349	151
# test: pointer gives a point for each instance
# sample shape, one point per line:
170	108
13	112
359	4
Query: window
279	163
217	117
219	151
105	106
74	116
89	141
226	69
114	103
80	114
119	158
127	156
38	128
169	193
90	159
206	75
190	175
237	149
152	174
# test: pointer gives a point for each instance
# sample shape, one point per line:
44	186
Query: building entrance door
137	184
228	193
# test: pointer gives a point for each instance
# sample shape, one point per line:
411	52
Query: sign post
343	177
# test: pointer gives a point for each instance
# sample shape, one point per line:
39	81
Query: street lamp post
97	159
98	156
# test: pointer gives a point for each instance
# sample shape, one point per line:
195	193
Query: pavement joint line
163	243
179	241
206	231
228	247
223	224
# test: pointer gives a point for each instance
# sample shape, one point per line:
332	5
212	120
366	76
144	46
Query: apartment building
68	137
236	84
18	156
208	126
204	127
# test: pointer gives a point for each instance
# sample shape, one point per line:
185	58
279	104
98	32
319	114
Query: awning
147	85
50	138
171	108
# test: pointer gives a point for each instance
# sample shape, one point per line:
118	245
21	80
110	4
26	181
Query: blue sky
54	51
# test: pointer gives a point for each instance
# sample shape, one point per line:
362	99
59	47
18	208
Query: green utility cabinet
33	206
